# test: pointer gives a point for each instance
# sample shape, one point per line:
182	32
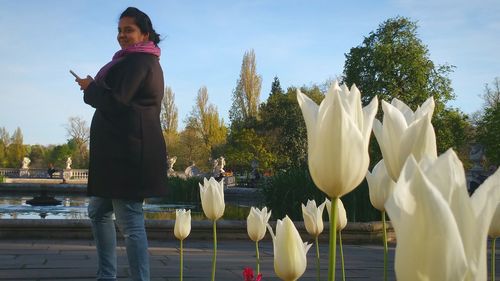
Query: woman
127	150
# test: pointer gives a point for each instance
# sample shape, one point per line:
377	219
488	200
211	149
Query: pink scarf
144	47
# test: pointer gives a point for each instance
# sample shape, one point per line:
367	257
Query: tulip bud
256	223
313	217
290	253
212	198
380	185
182	226
341	214
494	231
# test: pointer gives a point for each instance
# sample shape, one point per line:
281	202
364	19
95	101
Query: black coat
127	150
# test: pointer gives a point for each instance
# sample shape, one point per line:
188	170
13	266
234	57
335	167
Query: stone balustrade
74	174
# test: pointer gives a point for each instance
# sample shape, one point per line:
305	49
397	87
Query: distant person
127	149
51	170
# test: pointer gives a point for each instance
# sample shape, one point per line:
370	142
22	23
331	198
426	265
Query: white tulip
341	214
380	185
290	253
338	134
257	222
405	133
313	217
182	226
212	198
441	231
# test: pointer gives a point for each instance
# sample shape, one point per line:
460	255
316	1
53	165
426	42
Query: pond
75	207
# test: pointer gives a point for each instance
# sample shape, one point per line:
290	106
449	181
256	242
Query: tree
488	123
491	96
16	149
169	112
79	134
245	146
4	143
204	119
191	149
247	92
392	62
283	127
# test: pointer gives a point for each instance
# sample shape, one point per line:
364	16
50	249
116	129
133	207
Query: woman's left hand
84	82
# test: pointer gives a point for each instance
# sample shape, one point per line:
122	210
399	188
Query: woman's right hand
84	82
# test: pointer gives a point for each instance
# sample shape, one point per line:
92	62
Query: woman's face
129	33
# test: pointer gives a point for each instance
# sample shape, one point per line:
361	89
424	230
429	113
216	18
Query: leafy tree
169	112
58	154
247	92
245	146
283	127
455	131
205	120
38	156
191	148
16	149
488	133
4	143
392	62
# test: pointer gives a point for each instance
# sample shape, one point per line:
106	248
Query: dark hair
143	22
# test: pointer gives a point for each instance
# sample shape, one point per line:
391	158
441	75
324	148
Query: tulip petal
404	109
419	140
369	113
429	245
485	201
310	112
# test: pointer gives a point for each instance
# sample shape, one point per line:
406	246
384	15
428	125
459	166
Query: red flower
248	275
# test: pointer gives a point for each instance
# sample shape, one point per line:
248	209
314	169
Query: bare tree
247	93
491	96
78	130
169	112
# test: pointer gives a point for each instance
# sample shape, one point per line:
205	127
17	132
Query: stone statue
171	162
192	170
26	163
218	167
222	163
68	163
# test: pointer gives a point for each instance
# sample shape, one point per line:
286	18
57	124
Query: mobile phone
74	74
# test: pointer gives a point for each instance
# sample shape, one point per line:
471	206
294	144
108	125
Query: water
75	207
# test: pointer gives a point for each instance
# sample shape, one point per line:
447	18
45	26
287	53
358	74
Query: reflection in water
76	208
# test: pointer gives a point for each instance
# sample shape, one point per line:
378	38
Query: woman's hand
84	82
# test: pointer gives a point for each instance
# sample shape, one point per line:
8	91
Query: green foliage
285	192
488	133
245	146
283	127
455	131
1	179
183	190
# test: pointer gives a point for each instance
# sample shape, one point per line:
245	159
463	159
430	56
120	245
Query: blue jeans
130	219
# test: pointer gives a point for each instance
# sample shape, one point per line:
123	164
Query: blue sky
301	42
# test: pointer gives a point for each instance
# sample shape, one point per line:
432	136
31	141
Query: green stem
182	263
333	239
384	227
214	257
493	242
341	255
257	255
317	258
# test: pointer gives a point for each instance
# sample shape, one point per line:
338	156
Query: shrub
183	190
285	192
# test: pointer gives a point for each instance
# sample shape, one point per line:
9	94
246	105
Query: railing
76	174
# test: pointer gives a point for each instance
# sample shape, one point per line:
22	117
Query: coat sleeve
124	81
